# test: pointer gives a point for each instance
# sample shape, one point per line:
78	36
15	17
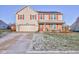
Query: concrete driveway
16	43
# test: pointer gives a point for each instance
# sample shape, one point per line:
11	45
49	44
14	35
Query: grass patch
4	32
57	42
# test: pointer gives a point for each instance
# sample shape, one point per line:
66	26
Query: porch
50	25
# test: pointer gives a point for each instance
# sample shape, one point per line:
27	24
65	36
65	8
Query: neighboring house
29	20
75	25
3	25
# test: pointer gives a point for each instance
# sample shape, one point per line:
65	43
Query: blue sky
70	12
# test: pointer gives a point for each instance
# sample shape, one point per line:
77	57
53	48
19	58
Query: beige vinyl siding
26	12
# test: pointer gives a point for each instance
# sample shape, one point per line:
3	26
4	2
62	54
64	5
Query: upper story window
60	17
51	16
40	16
20	17
32	17
54	16
47	17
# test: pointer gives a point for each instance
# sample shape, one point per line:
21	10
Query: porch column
45	27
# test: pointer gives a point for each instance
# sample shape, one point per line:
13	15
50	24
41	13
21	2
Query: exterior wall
26	12
45	17
60	17
59	27
48	26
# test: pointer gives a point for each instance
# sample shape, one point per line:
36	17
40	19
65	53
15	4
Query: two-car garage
27	28
31	26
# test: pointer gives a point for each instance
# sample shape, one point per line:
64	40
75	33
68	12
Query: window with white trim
32	17
20	17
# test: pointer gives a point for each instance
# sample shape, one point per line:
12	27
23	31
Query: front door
41	27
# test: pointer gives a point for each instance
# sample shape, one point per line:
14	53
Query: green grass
4	32
65	41
58	42
1	31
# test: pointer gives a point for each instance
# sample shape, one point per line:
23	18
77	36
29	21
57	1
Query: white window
54	16
20	17
41	17
51	16
53	26
32	17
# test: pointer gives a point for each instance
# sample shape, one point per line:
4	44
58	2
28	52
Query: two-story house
29	20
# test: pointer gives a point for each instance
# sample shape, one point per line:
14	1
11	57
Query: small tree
66	28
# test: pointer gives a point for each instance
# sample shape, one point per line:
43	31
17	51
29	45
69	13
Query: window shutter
38	16
18	17
43	16
57	16
57	26
54	26
54	16
49	16
30	17
23	17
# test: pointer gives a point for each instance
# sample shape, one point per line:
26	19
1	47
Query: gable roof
54	12
2	22
21	9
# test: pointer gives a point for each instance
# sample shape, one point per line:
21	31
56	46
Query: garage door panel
27	28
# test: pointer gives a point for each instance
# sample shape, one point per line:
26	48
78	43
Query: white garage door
30	26
26	28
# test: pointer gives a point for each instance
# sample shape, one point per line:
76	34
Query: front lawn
56	42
